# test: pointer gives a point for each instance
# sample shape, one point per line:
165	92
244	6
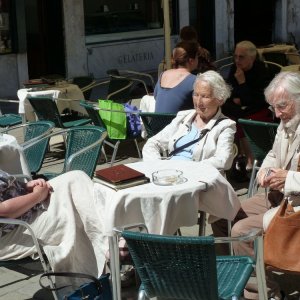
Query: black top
251	93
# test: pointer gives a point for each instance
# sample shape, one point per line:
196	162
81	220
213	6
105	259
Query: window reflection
114	16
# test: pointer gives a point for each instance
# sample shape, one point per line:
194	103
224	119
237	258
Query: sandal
128	277
124	255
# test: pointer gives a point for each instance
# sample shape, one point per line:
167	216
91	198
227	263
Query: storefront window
5	33
112	20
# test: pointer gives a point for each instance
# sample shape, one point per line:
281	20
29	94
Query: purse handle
69	274
202	135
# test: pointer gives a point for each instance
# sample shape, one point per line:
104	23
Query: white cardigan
216	147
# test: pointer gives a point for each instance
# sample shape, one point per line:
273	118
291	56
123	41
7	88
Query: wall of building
13	67
141	54
287	26
8	76
224	34
293	16
76	52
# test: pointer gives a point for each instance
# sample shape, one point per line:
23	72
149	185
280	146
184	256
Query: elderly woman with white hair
202	133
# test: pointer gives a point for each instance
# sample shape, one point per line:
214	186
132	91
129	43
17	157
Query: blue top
172	100
187	153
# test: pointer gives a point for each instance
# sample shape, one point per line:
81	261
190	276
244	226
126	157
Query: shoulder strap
202	135
69	274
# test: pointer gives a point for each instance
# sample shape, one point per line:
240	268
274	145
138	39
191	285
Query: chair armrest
93	85
132	79
6	130
27	226
140	226
22	176
88	86
40	138
140	74
121	89
248	237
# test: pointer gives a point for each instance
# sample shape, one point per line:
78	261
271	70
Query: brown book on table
124	184
119	174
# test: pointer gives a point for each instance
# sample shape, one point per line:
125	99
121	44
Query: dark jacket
251	93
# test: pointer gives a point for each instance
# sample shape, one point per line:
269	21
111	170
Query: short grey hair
249	46
221	90
286	83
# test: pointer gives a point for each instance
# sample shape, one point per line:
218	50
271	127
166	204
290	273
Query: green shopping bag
115	122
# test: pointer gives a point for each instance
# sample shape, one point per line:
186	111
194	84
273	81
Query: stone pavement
20	283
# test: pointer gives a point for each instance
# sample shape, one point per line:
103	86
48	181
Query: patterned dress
10	187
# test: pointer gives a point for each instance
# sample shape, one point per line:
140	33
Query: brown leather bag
282	239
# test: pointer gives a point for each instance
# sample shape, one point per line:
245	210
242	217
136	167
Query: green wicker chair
155	122
33	131
94	115
182	267
8	120
46	110
260	136
83	147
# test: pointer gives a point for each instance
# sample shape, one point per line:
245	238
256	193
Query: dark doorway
205	24
254	21
45	38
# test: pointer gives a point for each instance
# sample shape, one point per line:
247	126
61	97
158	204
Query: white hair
220	89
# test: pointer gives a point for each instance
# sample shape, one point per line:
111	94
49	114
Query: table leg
115	266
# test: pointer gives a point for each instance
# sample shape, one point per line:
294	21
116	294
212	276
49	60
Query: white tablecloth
65	95
12	158
166	208
147	104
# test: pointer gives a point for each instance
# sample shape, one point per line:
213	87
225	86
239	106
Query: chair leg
41	257
260	270
137	148
141	295
229	225
202	223
116	146
104	153
252	179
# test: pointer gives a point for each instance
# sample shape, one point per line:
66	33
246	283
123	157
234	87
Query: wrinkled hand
40	187
240	76
261	177
237	101
276	179
43	192
37	182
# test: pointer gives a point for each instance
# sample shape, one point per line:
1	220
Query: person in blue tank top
174	89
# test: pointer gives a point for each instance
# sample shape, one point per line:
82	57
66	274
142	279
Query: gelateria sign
135	55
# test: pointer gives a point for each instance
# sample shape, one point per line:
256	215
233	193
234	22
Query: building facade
81	37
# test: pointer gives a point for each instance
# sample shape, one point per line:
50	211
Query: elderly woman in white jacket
202	133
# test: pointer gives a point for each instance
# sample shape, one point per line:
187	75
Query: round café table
164	209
